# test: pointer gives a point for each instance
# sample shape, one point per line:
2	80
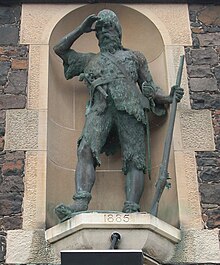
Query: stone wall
204	81
13	86
203	65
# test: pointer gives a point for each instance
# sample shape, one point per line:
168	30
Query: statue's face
108	25
108	31
105	30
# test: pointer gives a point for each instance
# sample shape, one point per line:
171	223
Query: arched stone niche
26	129
66	108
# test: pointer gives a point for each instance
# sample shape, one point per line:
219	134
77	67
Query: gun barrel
168	141
166	153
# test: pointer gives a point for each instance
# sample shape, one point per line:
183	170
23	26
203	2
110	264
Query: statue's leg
85	170
95	132
133	189
84	179
133	145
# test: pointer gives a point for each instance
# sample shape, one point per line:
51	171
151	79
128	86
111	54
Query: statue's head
108	29
109	21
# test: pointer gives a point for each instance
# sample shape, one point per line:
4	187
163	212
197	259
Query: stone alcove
26	129
66	108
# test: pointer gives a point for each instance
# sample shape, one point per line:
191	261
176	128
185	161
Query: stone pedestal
139	231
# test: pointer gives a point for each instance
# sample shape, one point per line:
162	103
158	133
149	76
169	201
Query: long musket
163	173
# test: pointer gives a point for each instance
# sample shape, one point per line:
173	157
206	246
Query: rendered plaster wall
26	244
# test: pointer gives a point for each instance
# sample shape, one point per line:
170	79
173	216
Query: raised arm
74	62
67	41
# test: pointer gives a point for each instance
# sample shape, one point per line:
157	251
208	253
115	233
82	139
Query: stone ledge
104	220
93	230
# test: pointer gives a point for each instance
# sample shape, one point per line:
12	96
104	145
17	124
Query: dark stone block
14	155
195	7
2	116
204	56
210	174
12	184
13	168
213	218
188	57
209	161
217	73
217	142
192	16
209	39
2	248
12	102
1	178
17	82
210	193
9	35
203	85
21	64
1	90
2	160
210	15
10	203
11	222
205	101
195	43
4	66
9	14
207	154
216	116
2	143
211	29
2	129
217	130
199	71
20	51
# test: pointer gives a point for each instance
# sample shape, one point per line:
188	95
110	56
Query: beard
109	43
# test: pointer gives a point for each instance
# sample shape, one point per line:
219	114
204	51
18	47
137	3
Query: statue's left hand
179	93
86	25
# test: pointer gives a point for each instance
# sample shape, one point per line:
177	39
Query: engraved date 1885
116	218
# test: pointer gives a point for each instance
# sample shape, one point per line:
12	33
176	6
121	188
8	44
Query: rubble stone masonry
203	65
13	86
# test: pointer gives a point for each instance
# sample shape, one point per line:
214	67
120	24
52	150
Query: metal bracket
115	238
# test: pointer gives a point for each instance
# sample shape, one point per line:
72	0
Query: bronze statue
121	93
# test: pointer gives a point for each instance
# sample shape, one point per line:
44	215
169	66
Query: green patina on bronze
122	93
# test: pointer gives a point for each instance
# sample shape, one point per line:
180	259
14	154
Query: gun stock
160	186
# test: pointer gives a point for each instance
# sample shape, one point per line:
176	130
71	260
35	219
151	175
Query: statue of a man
121	92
